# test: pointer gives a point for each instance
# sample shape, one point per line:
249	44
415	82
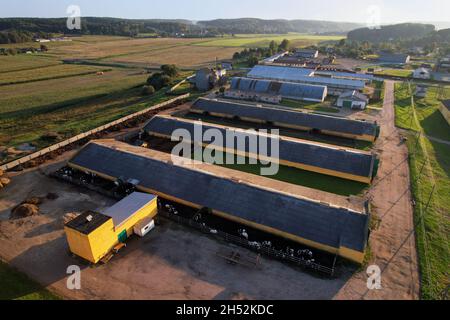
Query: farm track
393	243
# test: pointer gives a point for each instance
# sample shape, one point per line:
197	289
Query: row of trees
252	55
358	49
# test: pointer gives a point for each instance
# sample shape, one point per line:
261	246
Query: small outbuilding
421	91
421	73
353	100
206	78
92	235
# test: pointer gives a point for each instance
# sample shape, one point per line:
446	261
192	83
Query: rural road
393	242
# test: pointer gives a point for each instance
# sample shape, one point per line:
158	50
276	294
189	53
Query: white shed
353	100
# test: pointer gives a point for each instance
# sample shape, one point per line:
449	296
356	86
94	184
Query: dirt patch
24	211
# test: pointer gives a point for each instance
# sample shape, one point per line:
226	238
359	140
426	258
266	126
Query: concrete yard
173	262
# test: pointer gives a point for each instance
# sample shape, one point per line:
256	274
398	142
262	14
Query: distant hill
404	31
252	25
14	30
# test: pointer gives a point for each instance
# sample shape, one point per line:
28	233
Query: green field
25	62
401	73
430	170
47	73
313	106
263	40
308	179
17	286
28	112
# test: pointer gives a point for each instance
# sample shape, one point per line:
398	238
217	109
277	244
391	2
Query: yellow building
92	235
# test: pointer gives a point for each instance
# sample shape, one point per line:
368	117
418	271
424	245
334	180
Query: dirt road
393	243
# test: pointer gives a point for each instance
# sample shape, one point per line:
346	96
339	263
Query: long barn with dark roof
283	118
287	90
338	226
322	158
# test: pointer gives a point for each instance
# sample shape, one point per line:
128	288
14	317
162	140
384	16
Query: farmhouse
443	65
421	73
301	75
353	100
421	91
287	90
289	119
322	158
331	223
206	79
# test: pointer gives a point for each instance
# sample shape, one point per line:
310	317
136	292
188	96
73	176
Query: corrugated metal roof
304	152
319	222
301	75
127	207
285	89
354	95
301	119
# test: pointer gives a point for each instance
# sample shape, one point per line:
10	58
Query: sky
385	11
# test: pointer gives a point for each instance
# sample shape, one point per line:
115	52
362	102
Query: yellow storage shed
92	235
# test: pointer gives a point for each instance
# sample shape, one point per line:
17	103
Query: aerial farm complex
237	203
282	172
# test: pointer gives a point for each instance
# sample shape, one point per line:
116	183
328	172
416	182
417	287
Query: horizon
386	12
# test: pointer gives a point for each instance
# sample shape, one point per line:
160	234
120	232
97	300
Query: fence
81	136
246	244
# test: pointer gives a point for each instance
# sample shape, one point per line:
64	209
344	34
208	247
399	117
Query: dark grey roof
393	58
308	120
304	218
297	151
446	104
85	226
285	89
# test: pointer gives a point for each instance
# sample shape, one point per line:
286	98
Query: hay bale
34	201
24	211
5	181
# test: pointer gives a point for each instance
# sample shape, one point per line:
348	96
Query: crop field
82	48
430	171
47	73
255	40
25	62
64	105
185	57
